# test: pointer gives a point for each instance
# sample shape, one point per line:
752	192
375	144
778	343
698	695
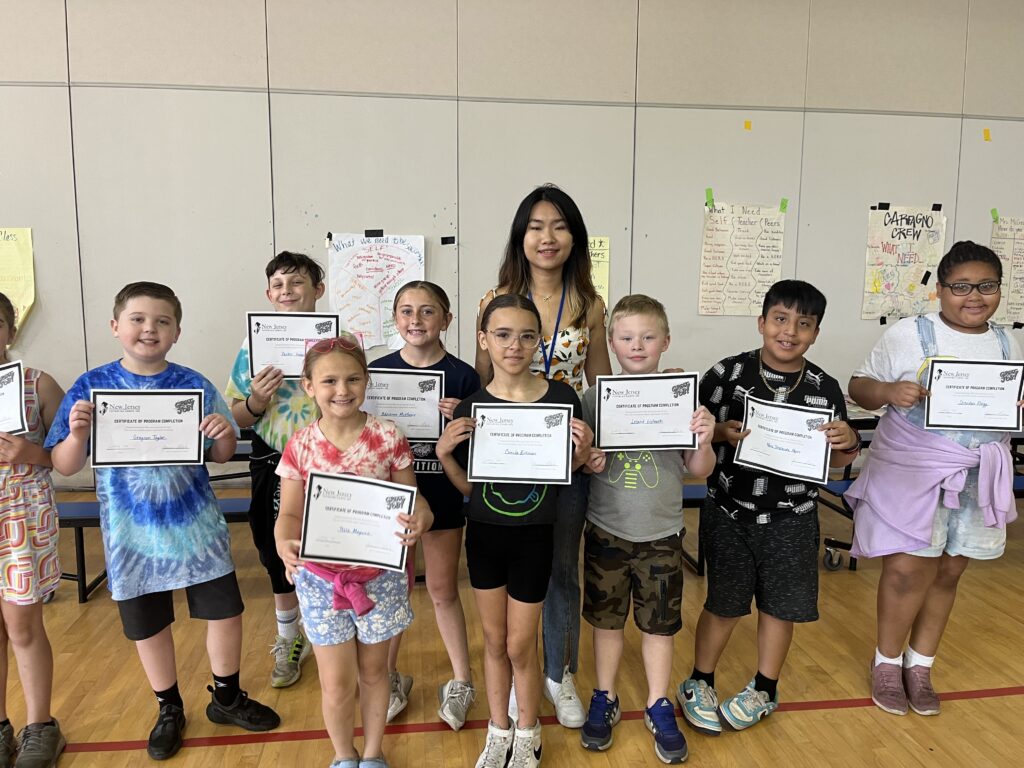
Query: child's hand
702	424
598	461
447	406
80	420
15	449
904	394
840	435
582	438
215	426
265	384
288	551
731	432
456	432
414	526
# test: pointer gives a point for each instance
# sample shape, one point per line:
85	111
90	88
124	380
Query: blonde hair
639	304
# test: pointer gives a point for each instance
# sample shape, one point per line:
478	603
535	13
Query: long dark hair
514	272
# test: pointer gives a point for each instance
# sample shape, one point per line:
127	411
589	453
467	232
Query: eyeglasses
986	288
346	341
505	339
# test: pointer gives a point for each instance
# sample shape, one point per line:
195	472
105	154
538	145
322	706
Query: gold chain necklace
784	391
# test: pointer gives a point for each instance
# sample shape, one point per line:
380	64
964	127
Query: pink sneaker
918	683
887	688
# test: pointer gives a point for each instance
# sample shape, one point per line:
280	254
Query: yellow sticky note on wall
17	278
746	125
600	262
986	134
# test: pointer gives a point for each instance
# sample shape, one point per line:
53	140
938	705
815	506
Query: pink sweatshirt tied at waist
349	585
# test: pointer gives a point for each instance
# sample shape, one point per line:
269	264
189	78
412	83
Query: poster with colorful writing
740	257
1008	243
365	274
17	275
600	263
905	245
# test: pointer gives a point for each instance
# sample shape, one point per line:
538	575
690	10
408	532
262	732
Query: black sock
170	696
707	677
226	689
766	684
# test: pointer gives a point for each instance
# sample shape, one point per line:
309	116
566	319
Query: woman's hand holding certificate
784	439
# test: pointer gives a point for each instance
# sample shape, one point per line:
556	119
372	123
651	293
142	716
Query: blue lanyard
549	356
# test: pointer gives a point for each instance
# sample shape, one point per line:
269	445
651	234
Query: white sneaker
568	707
526	748
513	705
399	699
496	748
456	698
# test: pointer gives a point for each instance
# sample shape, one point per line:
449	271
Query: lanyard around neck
549	355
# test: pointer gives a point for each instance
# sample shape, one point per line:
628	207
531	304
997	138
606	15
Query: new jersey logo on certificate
976	395
12	398
351	520
521	443
146	427
645	412
279	338
408	398
785	440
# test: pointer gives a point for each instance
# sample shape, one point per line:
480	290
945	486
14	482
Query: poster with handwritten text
740	258
1008	243
17	274
904	243
365	275
600	262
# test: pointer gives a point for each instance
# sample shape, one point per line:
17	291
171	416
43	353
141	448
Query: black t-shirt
503	503
460	380
743	492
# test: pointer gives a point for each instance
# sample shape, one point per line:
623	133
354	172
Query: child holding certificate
510	528
929	501
342	603
29	565
631	541
422	313
162	526
276	409
758	529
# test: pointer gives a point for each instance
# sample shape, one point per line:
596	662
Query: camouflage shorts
616	569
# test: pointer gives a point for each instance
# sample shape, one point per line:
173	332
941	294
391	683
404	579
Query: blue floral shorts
324	625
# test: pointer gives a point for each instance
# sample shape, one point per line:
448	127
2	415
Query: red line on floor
279	736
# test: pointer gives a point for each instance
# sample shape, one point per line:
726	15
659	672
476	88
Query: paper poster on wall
740	257
905	245
600	264
365	274
1008	243
17	275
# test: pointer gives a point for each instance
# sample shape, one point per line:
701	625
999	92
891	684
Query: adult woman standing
547	259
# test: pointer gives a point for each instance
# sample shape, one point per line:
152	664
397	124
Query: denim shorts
324	625
963	531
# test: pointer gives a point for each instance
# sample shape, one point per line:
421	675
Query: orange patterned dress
29	565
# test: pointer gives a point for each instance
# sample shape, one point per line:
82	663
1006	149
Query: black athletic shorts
517	557
146	615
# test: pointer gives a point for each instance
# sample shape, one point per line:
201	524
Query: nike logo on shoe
536	753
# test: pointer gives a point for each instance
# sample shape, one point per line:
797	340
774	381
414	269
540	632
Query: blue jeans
562	604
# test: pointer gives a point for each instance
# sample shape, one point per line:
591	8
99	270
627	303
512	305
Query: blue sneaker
669	742
747	708
596	733
699	702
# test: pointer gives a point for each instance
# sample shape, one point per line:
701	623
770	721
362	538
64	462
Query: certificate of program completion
977	395
785	440
12	398
521	443
352	520
279	338
408	398
146	427
645	413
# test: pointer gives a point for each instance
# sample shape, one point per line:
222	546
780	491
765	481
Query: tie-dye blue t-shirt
162	527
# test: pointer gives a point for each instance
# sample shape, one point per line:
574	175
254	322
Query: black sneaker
165	738
244	712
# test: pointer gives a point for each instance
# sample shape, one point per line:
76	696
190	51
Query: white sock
882	659
912	658
288	623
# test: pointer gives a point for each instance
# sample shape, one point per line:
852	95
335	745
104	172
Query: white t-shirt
898	355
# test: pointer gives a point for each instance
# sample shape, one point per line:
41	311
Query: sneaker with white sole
526	747
568	707
496	747
748	707
456	697
288	657
917	682
596	733
699	702
513	705
887	689
669	742
399	699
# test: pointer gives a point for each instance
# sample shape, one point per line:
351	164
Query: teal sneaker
747	708
699	702
669	742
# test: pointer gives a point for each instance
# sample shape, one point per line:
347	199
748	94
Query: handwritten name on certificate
408	398
785	440
521	443
646	413
146	427
352	520
12	398
279	339
978	395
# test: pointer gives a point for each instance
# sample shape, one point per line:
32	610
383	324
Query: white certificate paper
521	443
12	399
408	398
279	338
646	413
979	395
350	520
785	440
146	427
